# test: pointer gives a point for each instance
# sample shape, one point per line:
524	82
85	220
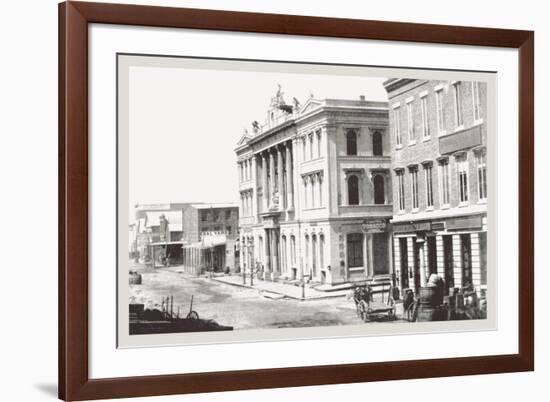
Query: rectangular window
439	110
425	122
410	122
414	187
355	250
475	100
396	126
445	182
401	189
429	185
228	229
458	103
462	173
482	175
204	216
227	215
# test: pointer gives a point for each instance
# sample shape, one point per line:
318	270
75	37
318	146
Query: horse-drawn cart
370	310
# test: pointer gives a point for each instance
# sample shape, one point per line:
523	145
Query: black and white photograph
256	197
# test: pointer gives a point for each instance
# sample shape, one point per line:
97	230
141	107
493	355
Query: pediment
310	105
244	139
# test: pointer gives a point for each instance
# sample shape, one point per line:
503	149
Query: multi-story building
204	219
197	235
210	233
439	167
315	191
157	223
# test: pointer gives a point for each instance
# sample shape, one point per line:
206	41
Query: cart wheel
193	315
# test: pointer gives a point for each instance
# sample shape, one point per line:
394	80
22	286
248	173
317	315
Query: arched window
379	197
351	142
377	148
353	190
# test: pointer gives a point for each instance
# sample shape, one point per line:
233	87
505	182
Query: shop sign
374	226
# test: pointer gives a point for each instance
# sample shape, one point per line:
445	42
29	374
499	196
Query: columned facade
303	229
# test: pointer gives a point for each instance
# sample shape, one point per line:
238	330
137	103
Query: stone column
422	268
314	184
365	256
271	178
254	189
280	177
440	257
397	261
390	254
476	262
361	188
265	190
410	262
296	185
289	181
305	180
267	261
273	249
370	254
457	261
320	185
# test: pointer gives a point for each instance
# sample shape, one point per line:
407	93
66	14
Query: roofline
375	106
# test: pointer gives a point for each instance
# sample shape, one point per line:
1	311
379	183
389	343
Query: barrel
426	313
135	279
430	296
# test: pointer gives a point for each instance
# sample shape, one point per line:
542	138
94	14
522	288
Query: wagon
369	310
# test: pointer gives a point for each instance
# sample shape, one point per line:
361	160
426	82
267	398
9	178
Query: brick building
210	233
438	148
315	189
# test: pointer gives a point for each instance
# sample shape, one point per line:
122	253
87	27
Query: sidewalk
277	290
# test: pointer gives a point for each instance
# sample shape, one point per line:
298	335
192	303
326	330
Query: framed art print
258	200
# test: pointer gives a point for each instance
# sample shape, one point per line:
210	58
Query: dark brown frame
74	17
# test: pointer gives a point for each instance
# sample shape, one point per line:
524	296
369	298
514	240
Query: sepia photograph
259	197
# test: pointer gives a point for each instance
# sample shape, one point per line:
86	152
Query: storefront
165	254
455	248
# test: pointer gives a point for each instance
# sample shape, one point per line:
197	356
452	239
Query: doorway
432	256
416	268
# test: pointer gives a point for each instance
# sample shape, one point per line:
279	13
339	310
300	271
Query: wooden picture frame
74	381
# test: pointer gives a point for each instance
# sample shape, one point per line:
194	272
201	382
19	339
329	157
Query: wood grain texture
74	382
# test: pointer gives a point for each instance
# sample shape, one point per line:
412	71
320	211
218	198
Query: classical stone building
315	191
438	150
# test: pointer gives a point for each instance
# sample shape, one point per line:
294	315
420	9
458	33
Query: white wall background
28	201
